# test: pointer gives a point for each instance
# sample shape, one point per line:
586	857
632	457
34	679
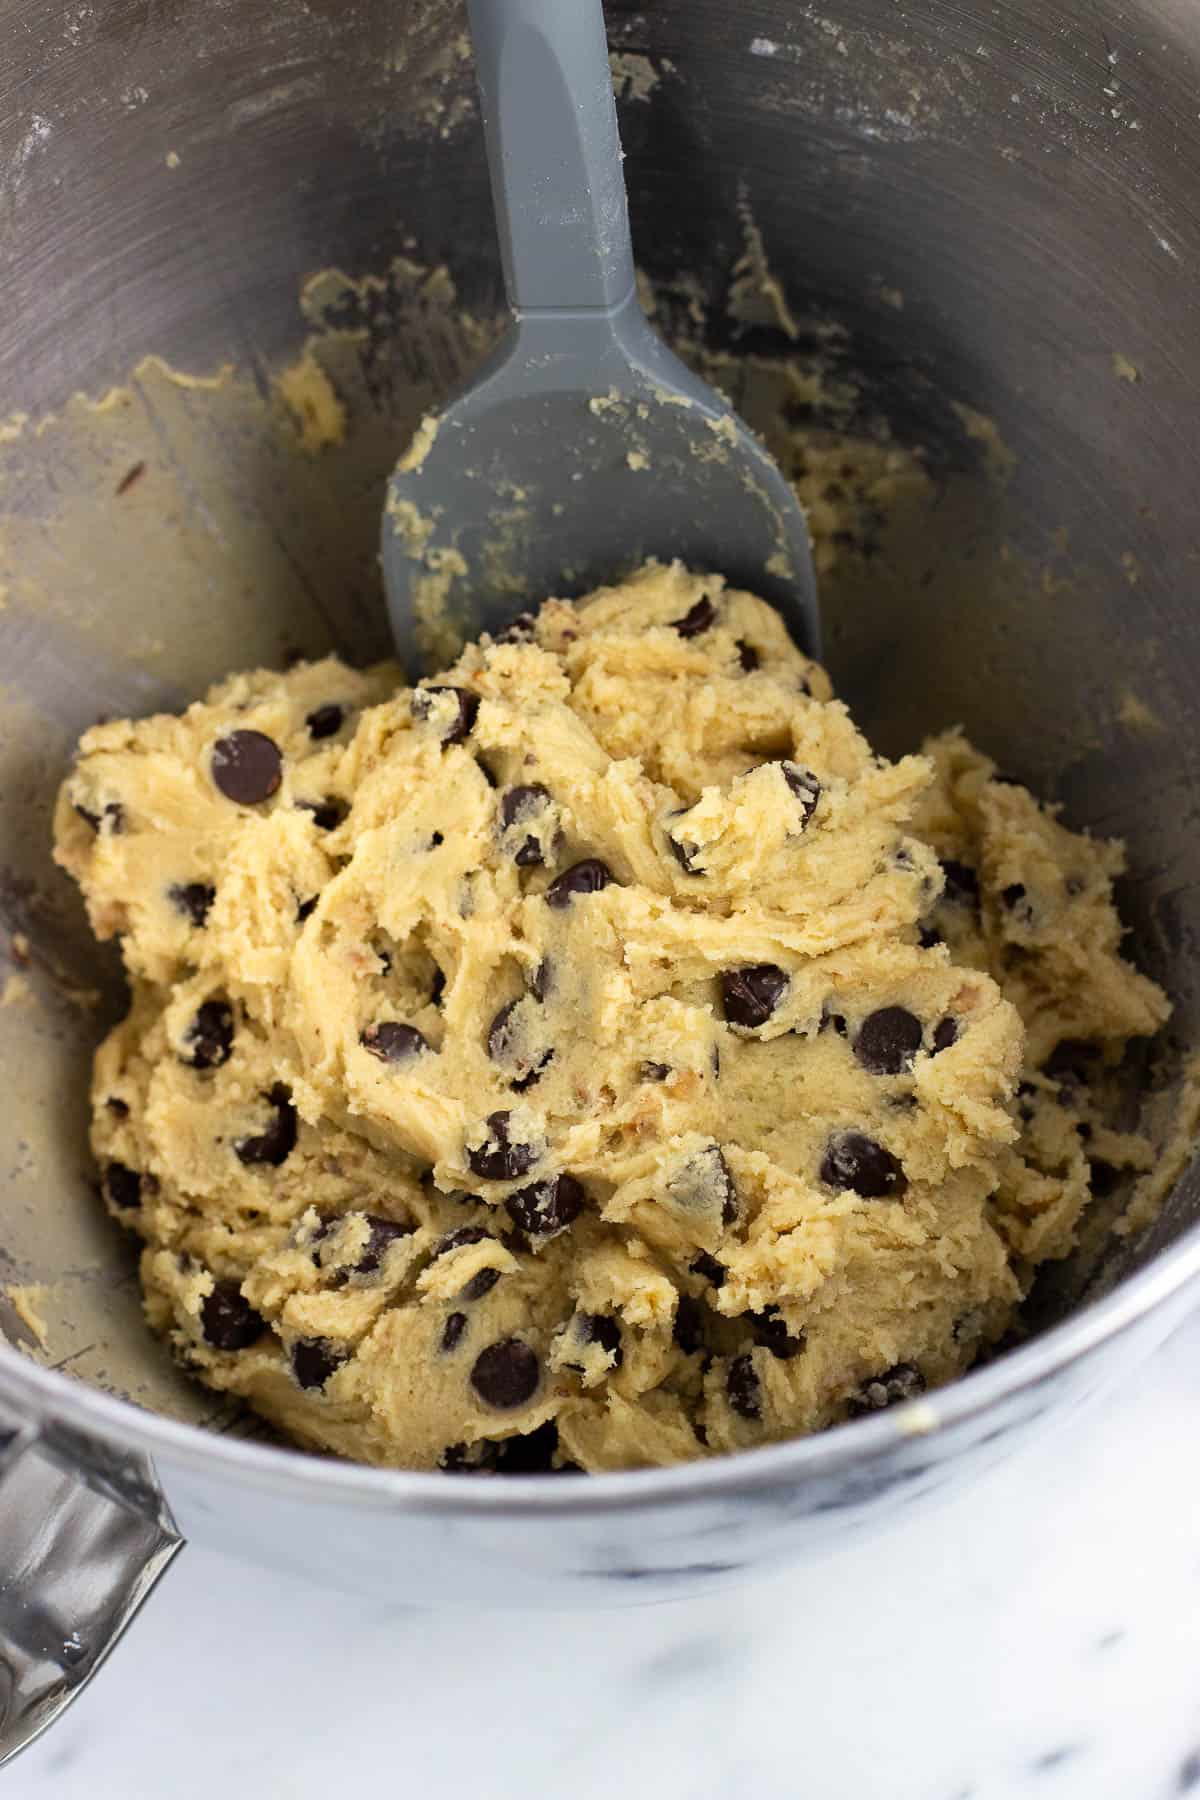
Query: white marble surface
1038	1636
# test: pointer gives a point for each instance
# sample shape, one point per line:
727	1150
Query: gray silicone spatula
583	445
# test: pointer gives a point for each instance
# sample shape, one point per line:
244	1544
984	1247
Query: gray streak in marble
1189	1774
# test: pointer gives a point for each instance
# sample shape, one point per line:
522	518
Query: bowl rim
62	1399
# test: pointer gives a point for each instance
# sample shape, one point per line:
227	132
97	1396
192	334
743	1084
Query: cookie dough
595	1056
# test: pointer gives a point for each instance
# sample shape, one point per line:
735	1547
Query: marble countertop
1038	1635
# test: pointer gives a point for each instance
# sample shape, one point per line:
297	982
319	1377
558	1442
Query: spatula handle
553	152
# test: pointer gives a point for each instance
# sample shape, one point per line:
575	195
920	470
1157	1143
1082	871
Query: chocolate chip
703	1181
392	1042
709	1268
519	631
901	1382
228	1320
688	1328
123	1186
194	899
480	1284
729	1202
770	1330
684	852
855	1161
749	996
518	805
468	707
247	767
314	1361
209	1037
118	1107
529	856
500	1032
506	1374
1103	1177
498	1158
543	980
327	815
945	1033
654	1071
436	840
742	1387
524	1082
888	1040
748	656
547	1207
603	1329
325	721
962	883
505	1043
504	1040
383	1234
586	877
466	1234
806	788
697	619
112	819
277	1142
453	1329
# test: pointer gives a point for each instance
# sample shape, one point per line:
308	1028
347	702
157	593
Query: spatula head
583	449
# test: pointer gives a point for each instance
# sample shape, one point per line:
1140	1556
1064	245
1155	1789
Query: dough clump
595	1056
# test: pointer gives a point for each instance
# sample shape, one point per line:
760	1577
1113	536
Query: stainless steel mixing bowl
984	217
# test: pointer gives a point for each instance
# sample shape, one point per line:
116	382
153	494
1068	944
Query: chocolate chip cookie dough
595	1056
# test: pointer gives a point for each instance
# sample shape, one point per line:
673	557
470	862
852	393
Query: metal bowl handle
84	1535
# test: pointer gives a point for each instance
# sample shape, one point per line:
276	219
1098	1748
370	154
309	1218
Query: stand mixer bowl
981	225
